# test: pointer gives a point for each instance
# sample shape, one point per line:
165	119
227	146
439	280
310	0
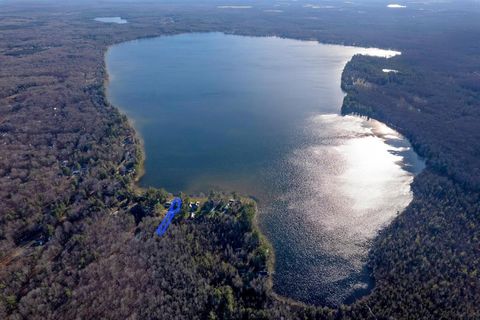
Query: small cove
261	116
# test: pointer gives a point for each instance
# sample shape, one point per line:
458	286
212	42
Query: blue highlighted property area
174	209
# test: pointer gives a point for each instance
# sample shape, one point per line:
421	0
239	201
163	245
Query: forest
76	233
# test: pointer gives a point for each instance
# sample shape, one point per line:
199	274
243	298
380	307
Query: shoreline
140	147
141	152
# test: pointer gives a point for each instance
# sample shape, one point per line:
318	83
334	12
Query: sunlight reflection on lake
260	116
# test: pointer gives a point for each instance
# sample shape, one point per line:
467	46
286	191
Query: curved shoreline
139	143
264	238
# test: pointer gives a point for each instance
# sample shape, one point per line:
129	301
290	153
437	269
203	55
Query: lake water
261	116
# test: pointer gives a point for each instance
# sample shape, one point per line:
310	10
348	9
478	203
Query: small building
193	206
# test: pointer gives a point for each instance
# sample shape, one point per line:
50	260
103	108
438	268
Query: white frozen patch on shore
314	6
396	6
234	7
117	20
374	52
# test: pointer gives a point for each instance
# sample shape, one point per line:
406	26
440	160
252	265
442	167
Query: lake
260	116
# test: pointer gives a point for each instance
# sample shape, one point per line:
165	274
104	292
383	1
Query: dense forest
76	235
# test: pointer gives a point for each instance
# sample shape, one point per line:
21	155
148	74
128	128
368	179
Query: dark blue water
260	116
